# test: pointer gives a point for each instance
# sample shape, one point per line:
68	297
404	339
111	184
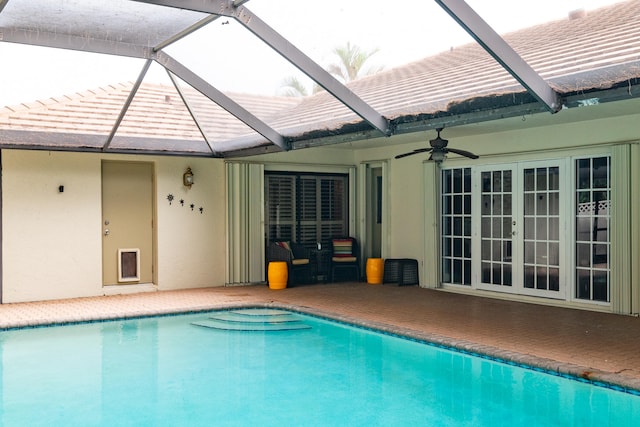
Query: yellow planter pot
278	275
375	271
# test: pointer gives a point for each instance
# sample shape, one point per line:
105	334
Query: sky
233	60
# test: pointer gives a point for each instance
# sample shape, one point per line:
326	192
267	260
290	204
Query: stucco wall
412	229
191	245
52	241
412	188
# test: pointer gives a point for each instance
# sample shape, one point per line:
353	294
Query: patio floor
597	346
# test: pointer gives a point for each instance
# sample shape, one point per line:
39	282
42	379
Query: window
306	208
456	226
280	198
593	195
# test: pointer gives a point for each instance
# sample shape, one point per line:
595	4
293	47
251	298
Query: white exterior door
519	234
496	224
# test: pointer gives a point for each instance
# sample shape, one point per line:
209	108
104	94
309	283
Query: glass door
541	230
520	234
496	228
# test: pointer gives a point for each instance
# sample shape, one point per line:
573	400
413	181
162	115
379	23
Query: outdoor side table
401	271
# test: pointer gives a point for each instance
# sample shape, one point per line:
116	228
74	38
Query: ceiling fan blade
419	150
462	153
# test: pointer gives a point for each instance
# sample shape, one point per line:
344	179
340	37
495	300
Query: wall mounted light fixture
187	178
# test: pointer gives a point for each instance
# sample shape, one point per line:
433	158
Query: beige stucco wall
52	241
52	245
412	229
191	245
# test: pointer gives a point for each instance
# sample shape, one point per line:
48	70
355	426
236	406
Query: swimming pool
268	367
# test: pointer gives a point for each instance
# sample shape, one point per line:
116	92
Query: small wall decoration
171	198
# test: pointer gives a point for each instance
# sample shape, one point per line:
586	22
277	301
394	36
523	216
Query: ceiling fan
438	150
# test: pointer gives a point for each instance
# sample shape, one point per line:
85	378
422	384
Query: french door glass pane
554	279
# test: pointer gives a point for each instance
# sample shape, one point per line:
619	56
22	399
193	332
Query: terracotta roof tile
597	50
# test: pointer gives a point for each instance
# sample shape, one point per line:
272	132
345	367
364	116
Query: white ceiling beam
192	112
71	42
504	54
127	104
288	51
221	99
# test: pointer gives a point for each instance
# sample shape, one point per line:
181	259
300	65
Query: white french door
496	225
518	233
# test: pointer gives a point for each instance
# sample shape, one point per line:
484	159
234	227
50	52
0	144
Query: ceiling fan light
438	156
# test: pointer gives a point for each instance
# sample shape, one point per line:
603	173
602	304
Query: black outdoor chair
344	256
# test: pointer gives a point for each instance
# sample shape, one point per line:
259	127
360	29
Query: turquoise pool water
275	369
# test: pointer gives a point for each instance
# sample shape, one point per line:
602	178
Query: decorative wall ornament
171	198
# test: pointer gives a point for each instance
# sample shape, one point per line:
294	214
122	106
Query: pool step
260	311
253	320
230	316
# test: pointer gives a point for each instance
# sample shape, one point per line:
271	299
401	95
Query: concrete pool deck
596	346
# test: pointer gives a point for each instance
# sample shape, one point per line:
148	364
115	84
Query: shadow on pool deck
596	346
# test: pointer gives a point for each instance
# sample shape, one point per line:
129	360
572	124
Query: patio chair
297	258
345	257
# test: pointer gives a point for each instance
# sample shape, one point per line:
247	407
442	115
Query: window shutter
280	212
305	208
333	203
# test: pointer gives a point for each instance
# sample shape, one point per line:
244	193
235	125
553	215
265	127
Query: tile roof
595	52
156	112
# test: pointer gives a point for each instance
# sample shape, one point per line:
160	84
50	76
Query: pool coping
612	380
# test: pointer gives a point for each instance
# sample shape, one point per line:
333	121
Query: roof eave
474	110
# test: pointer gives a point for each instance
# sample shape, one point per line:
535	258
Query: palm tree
352	59
291	86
